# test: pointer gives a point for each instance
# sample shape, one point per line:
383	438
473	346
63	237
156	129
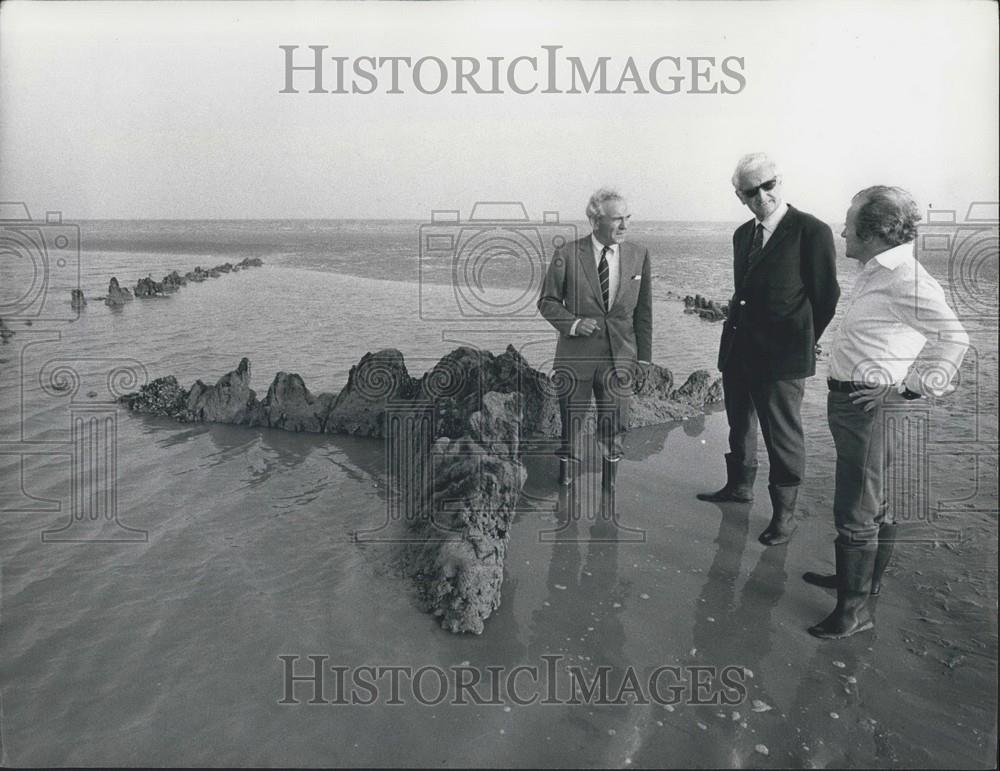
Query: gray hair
887	213
595	206
752	161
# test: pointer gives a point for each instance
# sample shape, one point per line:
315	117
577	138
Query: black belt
846	386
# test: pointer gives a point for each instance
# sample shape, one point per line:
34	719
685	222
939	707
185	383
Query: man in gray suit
597	293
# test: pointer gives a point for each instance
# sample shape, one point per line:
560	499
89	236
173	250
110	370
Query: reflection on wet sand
732	627
580	621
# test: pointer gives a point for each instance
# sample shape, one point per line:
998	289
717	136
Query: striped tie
604	274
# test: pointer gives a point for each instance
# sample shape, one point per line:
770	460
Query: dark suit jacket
784	298
572	290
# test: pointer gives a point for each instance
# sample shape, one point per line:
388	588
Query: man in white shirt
598	294
897	313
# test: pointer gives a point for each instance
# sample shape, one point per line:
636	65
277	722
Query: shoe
739	483
854	575
886	541
783	523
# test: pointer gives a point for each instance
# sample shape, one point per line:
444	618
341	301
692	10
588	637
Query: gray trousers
775	406
611	393
863	460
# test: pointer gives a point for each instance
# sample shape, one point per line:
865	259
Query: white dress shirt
770	222
896	308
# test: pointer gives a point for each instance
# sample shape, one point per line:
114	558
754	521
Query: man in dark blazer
786	293
597	293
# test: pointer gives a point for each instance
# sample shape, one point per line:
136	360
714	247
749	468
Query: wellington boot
854	576
886	541
739	483
783	523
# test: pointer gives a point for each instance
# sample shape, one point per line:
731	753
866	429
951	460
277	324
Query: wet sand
167	653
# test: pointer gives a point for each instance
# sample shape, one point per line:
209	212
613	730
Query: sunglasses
768	186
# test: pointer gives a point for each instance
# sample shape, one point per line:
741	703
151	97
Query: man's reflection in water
734	628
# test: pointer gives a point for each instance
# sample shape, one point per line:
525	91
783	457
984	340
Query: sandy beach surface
168	651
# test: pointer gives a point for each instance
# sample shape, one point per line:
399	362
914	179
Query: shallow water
167	652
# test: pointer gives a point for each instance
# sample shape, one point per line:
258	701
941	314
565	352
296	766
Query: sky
174	110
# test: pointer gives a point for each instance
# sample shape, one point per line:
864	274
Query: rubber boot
854	575
886	540
603	528
565	471
609	470
739	483
783	515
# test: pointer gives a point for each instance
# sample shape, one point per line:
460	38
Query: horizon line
345	219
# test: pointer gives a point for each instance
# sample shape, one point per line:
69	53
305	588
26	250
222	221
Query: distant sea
484	279
391	248
332	290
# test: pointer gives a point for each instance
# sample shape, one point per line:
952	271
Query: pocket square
636	278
